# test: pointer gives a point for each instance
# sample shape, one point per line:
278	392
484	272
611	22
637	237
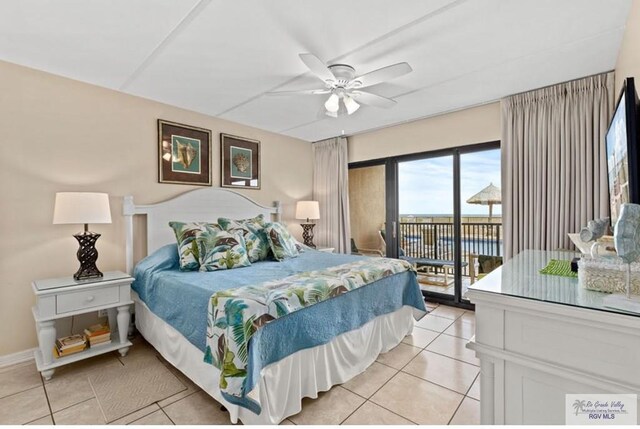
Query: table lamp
83	208
308	210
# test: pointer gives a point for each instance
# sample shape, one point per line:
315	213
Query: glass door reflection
426	233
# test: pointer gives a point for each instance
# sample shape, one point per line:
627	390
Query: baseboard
14	358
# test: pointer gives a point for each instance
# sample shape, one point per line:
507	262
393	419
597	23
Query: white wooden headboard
200	205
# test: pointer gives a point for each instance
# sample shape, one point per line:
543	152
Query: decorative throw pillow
221	250
254	223
255	240
282	244
186	235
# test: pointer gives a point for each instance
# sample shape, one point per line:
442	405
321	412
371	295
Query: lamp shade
81	207
308	210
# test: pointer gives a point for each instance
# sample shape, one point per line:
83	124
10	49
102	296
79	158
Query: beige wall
62	135
367	205
628	64
475	125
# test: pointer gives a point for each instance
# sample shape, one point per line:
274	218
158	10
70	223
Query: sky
426	185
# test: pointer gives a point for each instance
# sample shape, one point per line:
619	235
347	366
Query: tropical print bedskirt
235	315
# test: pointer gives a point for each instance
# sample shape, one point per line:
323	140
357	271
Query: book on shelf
97	330
99	338
69	345
94	335
98	334
67	352
71	341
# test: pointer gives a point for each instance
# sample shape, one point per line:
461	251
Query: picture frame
184	154
239	162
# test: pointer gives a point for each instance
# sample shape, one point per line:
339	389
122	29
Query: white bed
283	384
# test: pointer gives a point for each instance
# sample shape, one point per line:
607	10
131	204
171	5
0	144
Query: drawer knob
90	298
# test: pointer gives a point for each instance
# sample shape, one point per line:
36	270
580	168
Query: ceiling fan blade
372	99
300	92
317	67
381	75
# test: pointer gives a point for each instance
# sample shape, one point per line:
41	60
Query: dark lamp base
87	255
307	234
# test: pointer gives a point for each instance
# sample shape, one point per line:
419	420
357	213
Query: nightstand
65	297
326	249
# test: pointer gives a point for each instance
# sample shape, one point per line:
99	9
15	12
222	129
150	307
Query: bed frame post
277	214
128	210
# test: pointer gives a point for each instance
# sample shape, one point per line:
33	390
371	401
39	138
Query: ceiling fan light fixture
332	104
341	83
350	104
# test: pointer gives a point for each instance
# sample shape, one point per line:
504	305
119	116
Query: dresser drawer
607	351
74	301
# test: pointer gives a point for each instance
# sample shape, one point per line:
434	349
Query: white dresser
539	337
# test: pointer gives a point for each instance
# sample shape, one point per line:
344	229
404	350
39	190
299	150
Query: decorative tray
607	275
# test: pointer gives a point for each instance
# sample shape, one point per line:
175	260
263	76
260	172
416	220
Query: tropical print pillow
186	234
254	223
221	250
282	244
255	240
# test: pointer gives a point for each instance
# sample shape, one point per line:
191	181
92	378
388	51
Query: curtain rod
559	83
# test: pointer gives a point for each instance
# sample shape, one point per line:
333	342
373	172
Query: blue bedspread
181	299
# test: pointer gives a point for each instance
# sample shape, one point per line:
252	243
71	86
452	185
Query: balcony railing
435	240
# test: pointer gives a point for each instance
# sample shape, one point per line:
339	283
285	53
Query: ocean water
477	245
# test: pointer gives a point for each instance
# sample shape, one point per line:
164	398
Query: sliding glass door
481	214
439	210
426	221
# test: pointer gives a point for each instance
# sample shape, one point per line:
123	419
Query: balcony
435	240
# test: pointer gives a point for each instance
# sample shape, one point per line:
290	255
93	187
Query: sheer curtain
554	171
331	190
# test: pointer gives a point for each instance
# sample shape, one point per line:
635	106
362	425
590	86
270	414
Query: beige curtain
331	190
554	172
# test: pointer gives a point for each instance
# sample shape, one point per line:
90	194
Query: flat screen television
623	151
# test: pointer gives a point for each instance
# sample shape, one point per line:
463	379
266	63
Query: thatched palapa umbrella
488	196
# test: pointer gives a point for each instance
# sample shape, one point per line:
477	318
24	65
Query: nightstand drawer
68	302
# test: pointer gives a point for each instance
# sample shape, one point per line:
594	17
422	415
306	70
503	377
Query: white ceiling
220	57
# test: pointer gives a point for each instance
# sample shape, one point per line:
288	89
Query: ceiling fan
341	82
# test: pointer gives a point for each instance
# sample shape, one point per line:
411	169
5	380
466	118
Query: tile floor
430	378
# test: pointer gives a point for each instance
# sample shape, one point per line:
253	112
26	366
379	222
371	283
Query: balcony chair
428	266
364	252
486	264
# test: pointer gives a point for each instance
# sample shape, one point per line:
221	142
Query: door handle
394	233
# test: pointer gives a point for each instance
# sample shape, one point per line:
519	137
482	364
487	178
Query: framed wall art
240	162
184	154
